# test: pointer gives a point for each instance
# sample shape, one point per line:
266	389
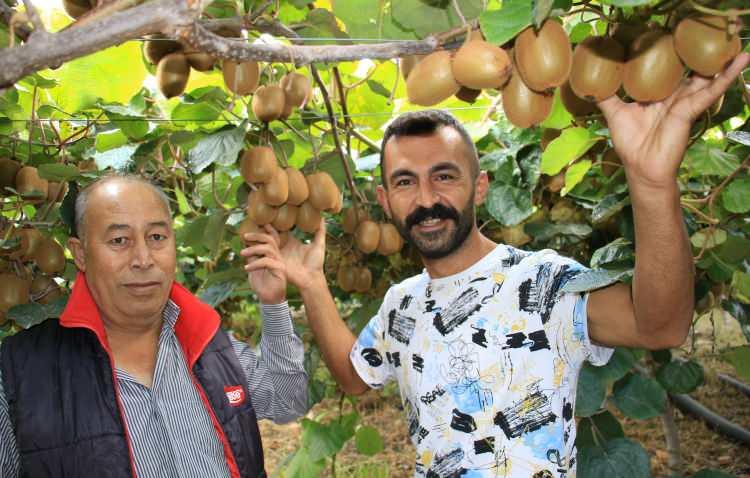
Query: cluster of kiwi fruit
641	63
371	236
353	278
25	181
284	197
272	102
173	63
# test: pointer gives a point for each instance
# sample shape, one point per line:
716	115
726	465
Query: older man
137	378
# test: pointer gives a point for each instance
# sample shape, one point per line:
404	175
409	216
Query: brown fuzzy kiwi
544	58
276	191
574	104
367	236
407	63
57	191
50	256
298	189
555	183
268	103
297	89
247	226
352	217
286	218
172	74
654	70
524	107
598	62
468	95
390	241
240	78
258	211
431	80
478	64
77	8
258	165
549	135
14	291
626	33
200	61
704	44
8	170
30	240
611	162
346	277
29	184
308	218
323	191
362	279
158	46
44	289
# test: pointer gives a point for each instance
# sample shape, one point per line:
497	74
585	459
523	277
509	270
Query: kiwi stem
213	191
342	100
455	7
719	13
34	17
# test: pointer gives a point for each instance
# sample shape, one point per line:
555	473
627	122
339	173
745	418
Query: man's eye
118	241
158	237
403	182
444	177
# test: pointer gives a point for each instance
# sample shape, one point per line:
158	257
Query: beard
442	243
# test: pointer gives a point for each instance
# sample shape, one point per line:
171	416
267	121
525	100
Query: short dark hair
426	122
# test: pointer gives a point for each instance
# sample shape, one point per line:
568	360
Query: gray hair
82	199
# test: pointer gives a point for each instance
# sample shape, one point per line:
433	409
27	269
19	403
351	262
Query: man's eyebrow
117	227
159	224
444	166
401	172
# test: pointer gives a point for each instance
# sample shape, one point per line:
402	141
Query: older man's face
127	253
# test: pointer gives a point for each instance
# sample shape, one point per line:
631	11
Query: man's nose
141	255
426	195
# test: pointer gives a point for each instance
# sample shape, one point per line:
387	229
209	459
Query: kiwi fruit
44	289
159	46
524	107
323	191
30	239
286	218
308	217
258	211
77	8
240	78
704	44
8	170
50	256
298	190
14	291
29	184
352	217
247	226
468	95
625	33
362	279
56	191
276	191
598	62
367	236
549	135
390	241
339	204
268	103
258	165
574	104
431	80
555	183
200	61
297	89
287	111
654	70
407	63
543	58
346	277
172	74
611	162
478	64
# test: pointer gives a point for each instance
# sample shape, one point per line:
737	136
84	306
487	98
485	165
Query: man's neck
135	348
475	247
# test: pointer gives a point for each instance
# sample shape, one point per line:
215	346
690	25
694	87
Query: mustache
438	211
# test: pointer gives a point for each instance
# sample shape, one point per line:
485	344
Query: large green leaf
609	206
595	279
591	391
559	117
739	357
422	19
368	19
680	376
618	458
639	397
627	3
508	204
302	466
711	473
619	364
597	428
324	440
501	26
569	146
547	230
708	159
31	314
708	237
741	286
57	172
368	440
575	174
736	196
118	158
618	251
221	147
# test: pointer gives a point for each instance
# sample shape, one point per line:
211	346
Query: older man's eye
158	237
118	241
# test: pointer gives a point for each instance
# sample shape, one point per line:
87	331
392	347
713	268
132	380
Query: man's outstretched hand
651	139
304	262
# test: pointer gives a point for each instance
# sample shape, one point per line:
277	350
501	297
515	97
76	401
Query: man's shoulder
413	285
525	260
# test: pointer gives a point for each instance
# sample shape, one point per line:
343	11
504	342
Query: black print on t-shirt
539	294
430	397
526	415
485	445
405	302
400	326
394	358
479	337
514	257
417	362
463	422
457	312
537	340
372	356
447	465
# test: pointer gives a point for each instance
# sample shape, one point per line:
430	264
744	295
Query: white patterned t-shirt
487	363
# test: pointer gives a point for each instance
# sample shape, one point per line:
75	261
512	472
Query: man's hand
304	262
266	271
651	139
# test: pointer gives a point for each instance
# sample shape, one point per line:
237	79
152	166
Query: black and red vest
64	404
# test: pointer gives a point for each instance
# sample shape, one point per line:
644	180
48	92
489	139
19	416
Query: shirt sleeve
10	460
276	377
369	355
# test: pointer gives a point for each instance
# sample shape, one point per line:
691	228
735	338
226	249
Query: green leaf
57	172
580	32
214	232
711	473
595	279
736	196
378	88
708	238
619	364
529	159
680	376
368	440
569	146
591	391
107	140
198	113
742	137
603	425
610	205
739	357
368	19
362	315
323	441
118	158
627	3
301	466
508	204
639	397
422	19
503	166
501	26
182	203
541	10
31	314
705	159
575	174
559	117
735	249
221	147
217	293
741	286
334	166
547	230
619	250
618	458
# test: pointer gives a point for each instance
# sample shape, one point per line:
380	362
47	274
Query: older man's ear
76	248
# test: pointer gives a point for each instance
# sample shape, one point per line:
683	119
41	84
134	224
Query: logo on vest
235	395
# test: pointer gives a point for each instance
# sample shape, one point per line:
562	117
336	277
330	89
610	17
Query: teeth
430	222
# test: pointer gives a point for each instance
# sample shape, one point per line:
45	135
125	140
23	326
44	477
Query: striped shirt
169	428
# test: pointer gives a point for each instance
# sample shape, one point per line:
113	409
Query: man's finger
265	263
273	232
320	235
705	97
261	250
610	106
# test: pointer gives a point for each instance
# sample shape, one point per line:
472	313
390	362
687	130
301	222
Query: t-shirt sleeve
369	355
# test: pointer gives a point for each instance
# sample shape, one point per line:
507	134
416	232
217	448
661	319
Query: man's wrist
277	319
316	284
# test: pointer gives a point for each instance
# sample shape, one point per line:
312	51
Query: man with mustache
486	345
137	378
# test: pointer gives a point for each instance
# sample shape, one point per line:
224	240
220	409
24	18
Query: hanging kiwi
367	236
172	74
276	191
308	217
240	78
268	103
297	89
44	289
346	277
298	189
286	218
431	80
653	71
78	8
574	104
247	226
390	241
362	279
258	211
323	191
50	256
555	183
158	46
30	186
523	106
705	45
352	218
407	63
598	62
8	170
14	291
30	239
479	64
258	165
549	135
468	95
200	61
544	58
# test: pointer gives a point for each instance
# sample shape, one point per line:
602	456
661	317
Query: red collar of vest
196	325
